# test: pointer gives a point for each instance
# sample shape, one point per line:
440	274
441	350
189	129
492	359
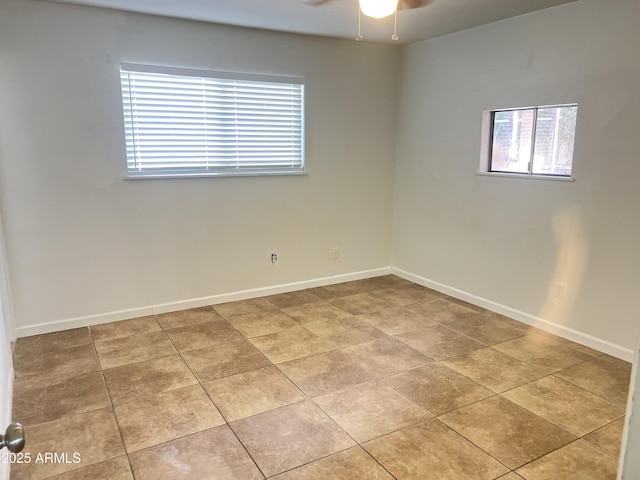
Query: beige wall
83	241
506	240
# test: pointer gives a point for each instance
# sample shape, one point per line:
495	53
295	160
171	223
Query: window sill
524	176
213	175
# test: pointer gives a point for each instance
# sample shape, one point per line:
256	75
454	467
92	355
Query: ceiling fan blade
409	4
402	4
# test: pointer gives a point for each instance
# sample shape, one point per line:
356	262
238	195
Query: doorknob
13	438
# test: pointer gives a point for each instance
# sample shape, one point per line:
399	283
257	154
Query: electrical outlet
559	290
273	258
335	253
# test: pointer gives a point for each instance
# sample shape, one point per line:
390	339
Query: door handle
13	438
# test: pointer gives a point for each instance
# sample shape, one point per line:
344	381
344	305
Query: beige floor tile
124	328
253	305
538	331
291	299
361	303
436	388
184	318
427	351
486	329
315	312
406	294
224	360
605	376
52	367
140	379
385	356
75	395
370	410
432	451
350	464
253	392
467	305
387	281
439	342
510	434
331	292
397	320
543	351
48	342
578	460
136	348
604	357
290	345
166	416
291	436
93	435
510	321
440	311
115	469
495	370
565	405
262	323
345	332
580	348
211	454
203	335
324	373
607	438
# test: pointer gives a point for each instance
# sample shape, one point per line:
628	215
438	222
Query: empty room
306	239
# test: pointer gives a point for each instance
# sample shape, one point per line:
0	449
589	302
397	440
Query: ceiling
337	18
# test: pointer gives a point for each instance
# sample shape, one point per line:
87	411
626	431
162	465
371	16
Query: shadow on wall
570	266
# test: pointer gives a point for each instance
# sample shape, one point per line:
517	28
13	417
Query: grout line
475	445
227	424
246	450
568	382
378	462
113	409
597	447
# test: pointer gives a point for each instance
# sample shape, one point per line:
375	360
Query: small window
536	141
198	123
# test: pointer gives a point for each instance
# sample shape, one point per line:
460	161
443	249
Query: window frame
299	169
486	148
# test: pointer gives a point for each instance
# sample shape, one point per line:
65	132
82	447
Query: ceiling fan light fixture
378	8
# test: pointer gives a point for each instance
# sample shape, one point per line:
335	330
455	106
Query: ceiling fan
380	9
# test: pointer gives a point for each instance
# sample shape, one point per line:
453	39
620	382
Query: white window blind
192	122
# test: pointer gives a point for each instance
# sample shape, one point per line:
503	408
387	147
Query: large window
192	123
535	141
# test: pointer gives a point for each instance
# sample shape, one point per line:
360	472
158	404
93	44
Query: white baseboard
77	322
115	316
556	329
551	327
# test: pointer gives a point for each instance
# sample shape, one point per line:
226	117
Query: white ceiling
337	18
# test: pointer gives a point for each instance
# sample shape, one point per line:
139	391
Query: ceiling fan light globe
378	8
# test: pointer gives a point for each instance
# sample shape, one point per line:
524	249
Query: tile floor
372	379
